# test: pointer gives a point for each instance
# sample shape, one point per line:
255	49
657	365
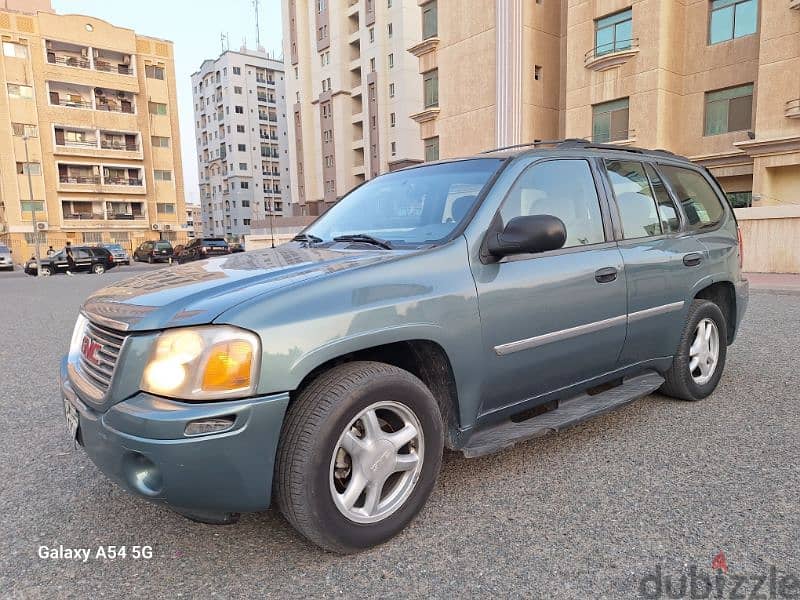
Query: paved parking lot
652	489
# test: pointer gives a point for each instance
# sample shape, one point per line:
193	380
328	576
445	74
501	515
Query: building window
371	35
245	185
432	149
243	166
391	90
613	33
15	50
731	19
16	90
24	129
26	206
394	148
389	29
729	110
237	70
160	175
157	108
159	141
240	128
31	168
242	147
154	72
537	72
430	82
391	60
237	89
740	199
430	20
392	120
239	110
610	121
165	208
246	222
372	65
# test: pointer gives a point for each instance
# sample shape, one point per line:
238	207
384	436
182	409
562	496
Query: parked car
119	253
236	247
468	304
200	248
153	251
6	258
88	259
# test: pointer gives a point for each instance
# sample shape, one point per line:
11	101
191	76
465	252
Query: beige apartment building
97	106
351	89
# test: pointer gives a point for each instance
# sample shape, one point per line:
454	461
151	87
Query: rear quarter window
700	202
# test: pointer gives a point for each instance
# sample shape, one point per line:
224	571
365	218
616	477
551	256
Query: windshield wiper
366	238
307	237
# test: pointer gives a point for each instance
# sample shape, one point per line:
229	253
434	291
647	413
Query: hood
198	292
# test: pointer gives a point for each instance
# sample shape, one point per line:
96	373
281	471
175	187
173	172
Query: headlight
77	335
203	363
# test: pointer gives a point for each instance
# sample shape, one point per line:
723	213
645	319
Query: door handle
606	275
692	259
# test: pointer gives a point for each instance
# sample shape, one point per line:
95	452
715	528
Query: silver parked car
6	260
121	256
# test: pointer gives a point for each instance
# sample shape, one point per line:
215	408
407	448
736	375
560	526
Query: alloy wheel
704	351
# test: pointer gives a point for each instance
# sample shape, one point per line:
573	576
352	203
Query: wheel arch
423	358
723	294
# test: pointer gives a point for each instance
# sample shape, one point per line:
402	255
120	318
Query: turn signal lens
228	367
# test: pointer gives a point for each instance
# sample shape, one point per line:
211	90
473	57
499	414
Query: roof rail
568	143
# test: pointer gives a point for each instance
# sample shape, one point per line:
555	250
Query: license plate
71	413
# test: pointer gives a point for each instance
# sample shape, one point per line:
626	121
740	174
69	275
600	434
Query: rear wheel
98	269
45	271
700	360
359	455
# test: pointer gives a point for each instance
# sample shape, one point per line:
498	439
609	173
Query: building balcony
793	106
795	4
68	60
607	56
85	57
71	101
80	179
131	181
99	178
114	144
132	213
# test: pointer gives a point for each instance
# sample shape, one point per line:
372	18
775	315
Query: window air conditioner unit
156	226
42	226
167	227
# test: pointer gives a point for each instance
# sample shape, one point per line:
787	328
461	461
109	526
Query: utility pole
271	222
33	206
258	33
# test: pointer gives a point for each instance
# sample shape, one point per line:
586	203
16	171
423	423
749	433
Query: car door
59	261
662	262
554	319
83	259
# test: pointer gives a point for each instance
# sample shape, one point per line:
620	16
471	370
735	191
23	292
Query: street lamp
33	206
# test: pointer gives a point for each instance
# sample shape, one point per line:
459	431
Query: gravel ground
585	514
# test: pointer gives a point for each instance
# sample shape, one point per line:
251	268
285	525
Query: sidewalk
781	282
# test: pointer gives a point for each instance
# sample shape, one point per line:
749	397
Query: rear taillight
741	246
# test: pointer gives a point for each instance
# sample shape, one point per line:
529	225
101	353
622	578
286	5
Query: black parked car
153	251
87	260
201	248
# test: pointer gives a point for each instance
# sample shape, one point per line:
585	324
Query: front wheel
46	271
98	269
700	359
359	454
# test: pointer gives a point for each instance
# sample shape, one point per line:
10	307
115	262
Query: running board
569	412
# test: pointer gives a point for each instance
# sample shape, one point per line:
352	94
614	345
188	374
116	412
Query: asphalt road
589	513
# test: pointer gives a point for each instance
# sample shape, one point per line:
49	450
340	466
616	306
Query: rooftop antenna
258	33
223	41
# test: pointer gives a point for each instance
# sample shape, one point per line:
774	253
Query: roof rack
568	143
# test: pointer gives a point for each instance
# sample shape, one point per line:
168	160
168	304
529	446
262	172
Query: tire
46	271
307	456
149	260
680	382
98	269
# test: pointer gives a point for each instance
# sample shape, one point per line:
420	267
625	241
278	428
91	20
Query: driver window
563	189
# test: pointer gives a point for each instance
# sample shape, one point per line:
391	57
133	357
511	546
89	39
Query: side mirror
529	234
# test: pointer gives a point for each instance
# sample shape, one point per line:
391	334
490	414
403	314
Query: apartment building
242	143
351	90
715	80
194	221
87	110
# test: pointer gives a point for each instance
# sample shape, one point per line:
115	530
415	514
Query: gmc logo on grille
90	349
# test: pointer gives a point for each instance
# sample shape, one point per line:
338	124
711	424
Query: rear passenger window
563	189
670	222
698	199
637	207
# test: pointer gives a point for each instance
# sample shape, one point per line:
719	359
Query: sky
194	26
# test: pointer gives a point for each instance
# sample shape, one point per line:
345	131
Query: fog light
206	426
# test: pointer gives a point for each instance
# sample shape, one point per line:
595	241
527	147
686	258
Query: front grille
99	375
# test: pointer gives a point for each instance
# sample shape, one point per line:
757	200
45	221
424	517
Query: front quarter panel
426	295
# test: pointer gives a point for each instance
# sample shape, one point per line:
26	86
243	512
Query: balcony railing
123	181
84	216
124	217
107	67
112	145
78	143
124	108
793	106
794	4
611	53
81	179
103	217
73	103
69	61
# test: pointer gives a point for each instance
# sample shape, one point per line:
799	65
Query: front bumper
139	443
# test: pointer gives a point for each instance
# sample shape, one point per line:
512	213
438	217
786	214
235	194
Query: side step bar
569	412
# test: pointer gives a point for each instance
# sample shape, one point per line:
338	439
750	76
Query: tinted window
561	188
163	245
215	243
670	221
697	197
637	207
82	253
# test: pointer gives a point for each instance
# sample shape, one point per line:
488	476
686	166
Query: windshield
113	247
215	243
415	206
